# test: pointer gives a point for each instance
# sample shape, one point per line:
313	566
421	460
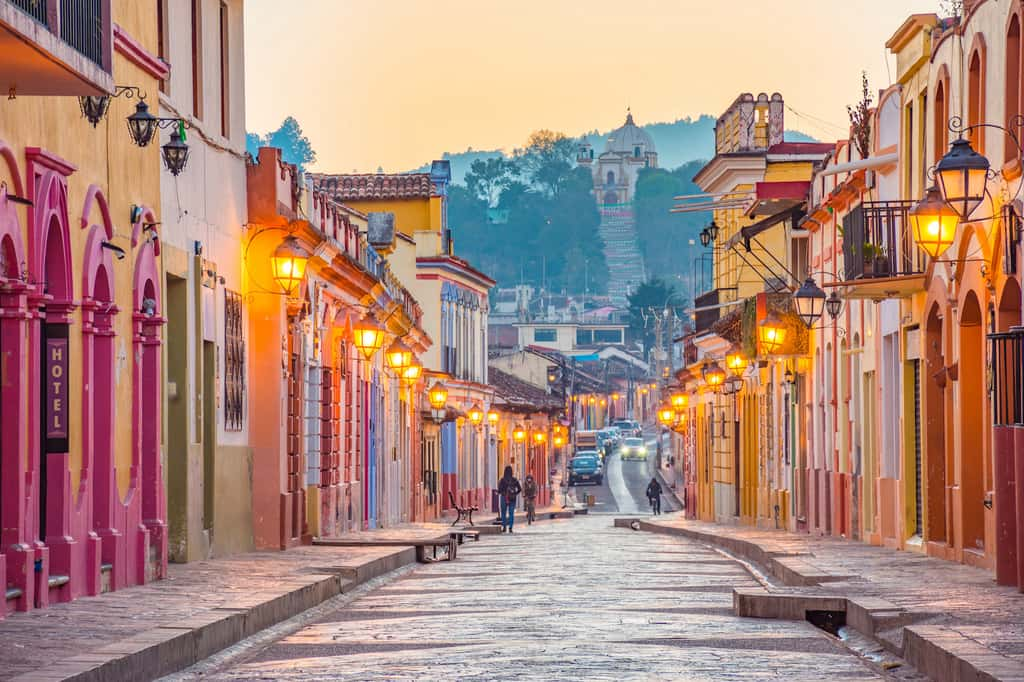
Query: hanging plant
860	119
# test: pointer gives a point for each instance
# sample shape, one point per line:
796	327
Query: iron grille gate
234	362
1008	372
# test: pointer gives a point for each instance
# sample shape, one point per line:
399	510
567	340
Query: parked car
633	448
585	467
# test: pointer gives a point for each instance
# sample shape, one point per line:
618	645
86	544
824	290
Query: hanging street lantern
666	415
519	434
288	264
492	418
933	223
558	441
705	238
369	337
476	415
615	396
809	300
771	333
712	229
833	305
539	437
736	362
962	174
679	400
399	356
142	125
94	107
175	152
413	372
713	374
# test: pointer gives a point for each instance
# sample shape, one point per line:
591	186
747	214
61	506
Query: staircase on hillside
621	250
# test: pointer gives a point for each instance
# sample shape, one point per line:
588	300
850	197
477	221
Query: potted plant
867	253
881	262
876	262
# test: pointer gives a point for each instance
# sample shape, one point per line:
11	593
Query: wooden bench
447	542
461	534
465	513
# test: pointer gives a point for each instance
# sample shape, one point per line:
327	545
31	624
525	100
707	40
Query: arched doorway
148	546
934	395
971	374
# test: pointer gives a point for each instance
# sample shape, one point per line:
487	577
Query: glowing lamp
603	402
539	437
368	336
653	385
771	333
492	417
398	355
679	400
713	374
592	400
933	223
666	415
558	441
476	415
962	174
736	362
437	395
519	434
615	396
643	391
288	264
412	373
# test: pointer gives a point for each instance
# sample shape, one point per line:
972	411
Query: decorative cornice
138	55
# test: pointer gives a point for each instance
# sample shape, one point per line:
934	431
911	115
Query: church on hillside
627	150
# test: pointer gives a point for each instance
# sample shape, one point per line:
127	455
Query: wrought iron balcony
1008	375
56	47
878	245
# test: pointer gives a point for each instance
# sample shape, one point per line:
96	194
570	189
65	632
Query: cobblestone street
560	600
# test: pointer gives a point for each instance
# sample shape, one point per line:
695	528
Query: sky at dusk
395	83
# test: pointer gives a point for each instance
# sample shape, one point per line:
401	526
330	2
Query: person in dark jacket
654	495
508	491
529	497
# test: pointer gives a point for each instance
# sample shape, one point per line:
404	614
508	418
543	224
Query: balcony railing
877	242
82	24
1008	374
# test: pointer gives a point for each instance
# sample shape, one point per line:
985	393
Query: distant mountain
678	143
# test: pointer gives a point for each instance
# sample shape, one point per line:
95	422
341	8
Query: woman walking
654	495
508	491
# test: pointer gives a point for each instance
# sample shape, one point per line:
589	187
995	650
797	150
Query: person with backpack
530	497
508	491
654	495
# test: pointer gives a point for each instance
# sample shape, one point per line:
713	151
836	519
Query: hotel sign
55	388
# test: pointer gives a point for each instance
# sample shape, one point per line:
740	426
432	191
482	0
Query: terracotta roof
516	392
376	185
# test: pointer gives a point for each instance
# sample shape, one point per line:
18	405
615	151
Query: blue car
585	467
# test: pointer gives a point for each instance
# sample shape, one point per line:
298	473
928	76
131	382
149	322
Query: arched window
976	95
1013	75
940	108
611	178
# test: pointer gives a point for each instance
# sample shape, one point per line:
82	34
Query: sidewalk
202	607
948	620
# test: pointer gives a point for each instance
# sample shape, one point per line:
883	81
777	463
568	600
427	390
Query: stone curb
939	651
169	648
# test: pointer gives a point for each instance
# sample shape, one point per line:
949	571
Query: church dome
626	139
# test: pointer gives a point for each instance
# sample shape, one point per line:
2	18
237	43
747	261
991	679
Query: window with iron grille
1012	226
234	362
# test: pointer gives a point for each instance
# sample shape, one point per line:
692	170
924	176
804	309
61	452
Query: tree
488	178
294	145
648	301
546	160
860	118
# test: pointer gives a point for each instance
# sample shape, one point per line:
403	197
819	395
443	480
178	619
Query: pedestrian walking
530	498
654	495
508	491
